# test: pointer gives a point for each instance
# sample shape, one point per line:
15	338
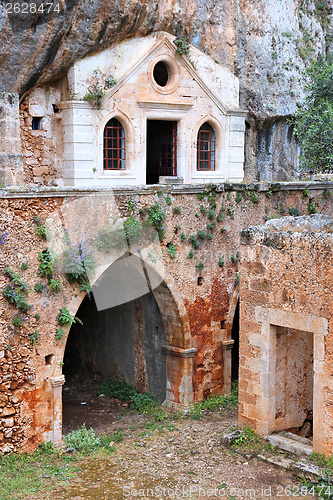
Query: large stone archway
178	350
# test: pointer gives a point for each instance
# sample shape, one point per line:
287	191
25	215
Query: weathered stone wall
42	149
286	327
204	308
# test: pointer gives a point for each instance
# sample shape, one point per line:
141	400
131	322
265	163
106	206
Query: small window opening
161	73
223	324
200	280
114	145
36	123
206	148
49	359
55	108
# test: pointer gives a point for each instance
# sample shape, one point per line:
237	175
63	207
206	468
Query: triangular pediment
165	42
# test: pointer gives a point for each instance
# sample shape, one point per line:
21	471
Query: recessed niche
200	280
36	123
49	359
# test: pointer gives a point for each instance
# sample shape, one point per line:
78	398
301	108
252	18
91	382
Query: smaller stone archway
178	351
228	343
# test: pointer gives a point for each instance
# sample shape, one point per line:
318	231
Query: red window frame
114	145
206	148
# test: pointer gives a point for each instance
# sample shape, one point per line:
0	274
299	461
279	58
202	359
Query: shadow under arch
178	350
231	342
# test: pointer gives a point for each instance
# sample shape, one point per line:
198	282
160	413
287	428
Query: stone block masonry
197	304
286	345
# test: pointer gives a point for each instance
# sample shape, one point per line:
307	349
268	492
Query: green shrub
221	261
83	440
125	392
182	237
168	199
199	267
177	210
235	257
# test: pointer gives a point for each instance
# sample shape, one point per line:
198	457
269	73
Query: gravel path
179	459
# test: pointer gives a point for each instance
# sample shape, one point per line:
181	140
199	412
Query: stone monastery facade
163	115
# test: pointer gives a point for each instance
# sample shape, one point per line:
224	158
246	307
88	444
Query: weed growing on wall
40	228
183	47
65	318
33	337
16	291
78	261
45	269
156	218
98	86
3	237
171	249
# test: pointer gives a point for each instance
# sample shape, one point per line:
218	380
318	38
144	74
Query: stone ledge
64	191
291	445
179	352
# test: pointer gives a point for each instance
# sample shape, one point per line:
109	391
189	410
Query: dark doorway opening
161	150
123	342
235	349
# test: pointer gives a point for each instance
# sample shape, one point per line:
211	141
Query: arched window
206	148
114	145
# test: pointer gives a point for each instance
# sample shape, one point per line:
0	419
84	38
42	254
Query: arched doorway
145	342
124	343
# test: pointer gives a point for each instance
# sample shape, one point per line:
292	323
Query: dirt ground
182	458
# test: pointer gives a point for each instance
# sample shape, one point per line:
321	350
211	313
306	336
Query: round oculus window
161	73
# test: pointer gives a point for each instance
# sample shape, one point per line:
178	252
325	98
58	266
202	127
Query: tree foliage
314	118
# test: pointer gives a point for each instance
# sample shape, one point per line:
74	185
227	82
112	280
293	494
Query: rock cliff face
267	43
